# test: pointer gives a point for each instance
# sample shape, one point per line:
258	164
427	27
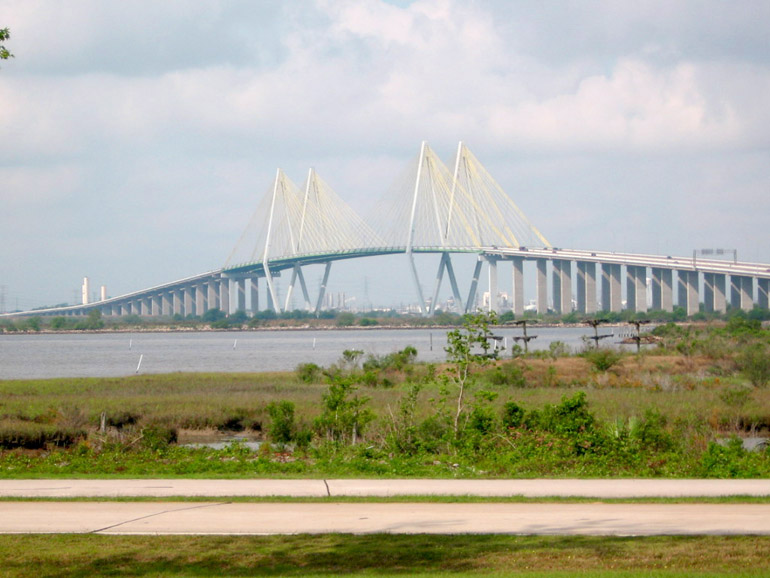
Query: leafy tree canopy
5	34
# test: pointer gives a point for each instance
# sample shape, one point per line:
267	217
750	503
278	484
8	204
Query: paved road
396	518
221	517
598	488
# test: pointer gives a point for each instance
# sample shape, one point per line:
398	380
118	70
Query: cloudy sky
138	137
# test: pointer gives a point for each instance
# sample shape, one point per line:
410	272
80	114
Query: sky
137	138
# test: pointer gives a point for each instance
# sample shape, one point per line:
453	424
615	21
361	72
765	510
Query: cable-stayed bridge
440	209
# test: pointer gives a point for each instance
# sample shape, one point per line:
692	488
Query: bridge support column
662	289
688	291
470	304
146	307
212	300
446	265
714	293
562	286
492	269
240	288
542	286
201	296
741	292
322	289
297	273
224	295
166	303
763	292
254	294
177	301
611	297
586	287
517	293
157	305
636	288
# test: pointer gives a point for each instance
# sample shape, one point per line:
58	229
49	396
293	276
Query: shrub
282	426
513	415
308	372
571	416
158	437
650	432
603	359
508	374
754	362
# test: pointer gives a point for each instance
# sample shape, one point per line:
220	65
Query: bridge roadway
220	516
698	281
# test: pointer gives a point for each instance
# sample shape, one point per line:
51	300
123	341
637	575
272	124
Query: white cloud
162	121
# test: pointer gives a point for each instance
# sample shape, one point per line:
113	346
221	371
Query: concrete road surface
597	488
395	518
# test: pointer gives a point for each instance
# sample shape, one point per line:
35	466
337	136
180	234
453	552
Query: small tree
754	362
467	347
344	414
5	34
282	428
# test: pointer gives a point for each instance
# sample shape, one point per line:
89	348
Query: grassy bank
667	411
383	555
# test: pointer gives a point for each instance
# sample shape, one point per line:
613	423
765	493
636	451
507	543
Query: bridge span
593	280
433	209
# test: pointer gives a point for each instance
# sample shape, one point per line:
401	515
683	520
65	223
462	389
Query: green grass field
382	555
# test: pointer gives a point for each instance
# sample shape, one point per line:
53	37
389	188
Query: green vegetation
5	34
678	409
384	555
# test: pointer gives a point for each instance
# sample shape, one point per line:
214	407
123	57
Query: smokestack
85	290
103	293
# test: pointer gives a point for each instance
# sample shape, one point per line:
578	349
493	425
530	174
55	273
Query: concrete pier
224	295
662	289
562	286
688	291
542	286
517	295
763	288
254	294
611	296
636	289
240	285
213	295
586	287
714	293
493	304
741	292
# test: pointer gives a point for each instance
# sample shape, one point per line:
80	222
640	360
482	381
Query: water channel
46	355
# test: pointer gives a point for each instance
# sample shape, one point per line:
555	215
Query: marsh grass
382	555
694	390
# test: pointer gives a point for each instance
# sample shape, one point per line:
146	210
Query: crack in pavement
328	491
123	523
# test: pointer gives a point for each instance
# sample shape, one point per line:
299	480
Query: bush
508	374
282	426
650	432
571	416
754	362
158	437
513	415
308	372
603	359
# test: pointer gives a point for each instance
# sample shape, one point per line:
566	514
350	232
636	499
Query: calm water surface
119	354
